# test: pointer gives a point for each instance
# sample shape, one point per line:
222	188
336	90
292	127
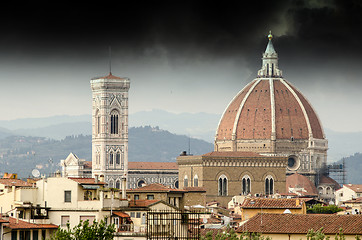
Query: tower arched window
114	122
186	181
118	184
98	122
118	158
269	185
222	185
245	185
196	181
111	183
111	158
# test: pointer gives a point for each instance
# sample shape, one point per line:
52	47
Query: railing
125	228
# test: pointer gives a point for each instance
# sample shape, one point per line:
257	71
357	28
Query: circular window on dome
141	183
293	163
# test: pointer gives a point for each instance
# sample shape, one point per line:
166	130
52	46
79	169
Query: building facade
110	128
227	174
144	173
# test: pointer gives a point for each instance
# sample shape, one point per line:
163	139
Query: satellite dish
35	173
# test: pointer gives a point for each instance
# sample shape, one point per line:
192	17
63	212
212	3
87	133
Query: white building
110	128
348	192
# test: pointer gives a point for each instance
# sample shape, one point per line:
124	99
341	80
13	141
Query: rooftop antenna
110	60
189	145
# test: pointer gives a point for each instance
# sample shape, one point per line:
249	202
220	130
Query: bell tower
110	129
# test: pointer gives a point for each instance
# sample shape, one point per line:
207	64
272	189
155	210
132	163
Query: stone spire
270	61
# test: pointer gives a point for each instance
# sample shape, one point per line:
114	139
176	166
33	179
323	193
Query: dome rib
241	108
224	118
301	106
272	108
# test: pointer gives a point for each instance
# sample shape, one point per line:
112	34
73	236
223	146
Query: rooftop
354	187
152	166
301	223
272	203
14	182
86	181
19	224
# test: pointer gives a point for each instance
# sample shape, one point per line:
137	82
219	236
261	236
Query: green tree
318	208
318	235
86	231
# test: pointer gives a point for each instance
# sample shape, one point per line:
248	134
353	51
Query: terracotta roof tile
15	182
301	223
330	181
272	203
121	214
297	180
86	181
152	166
20	224
354	187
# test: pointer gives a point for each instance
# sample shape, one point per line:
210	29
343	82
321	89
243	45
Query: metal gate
173	225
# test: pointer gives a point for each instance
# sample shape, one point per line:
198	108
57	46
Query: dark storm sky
180	56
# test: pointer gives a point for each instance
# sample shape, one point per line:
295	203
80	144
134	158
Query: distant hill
353	165
21	154
186	125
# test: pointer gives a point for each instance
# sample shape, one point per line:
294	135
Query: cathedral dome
266	109
270	115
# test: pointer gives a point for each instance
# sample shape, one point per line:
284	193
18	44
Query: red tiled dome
271	116
265	106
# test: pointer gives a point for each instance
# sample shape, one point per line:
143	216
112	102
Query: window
64	220
132	214
140	183
196	181
136	197
14	234
118	184
186	181
118	158
150	197
111	159
35	234
223	183
138	215
67	196
246	185
114	122
269	185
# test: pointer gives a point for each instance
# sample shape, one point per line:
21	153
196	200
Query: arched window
114	122
111	158
186	181
246	185
98	122
111	183
328	190
196	181
223	185
118	158
118	184
269	185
